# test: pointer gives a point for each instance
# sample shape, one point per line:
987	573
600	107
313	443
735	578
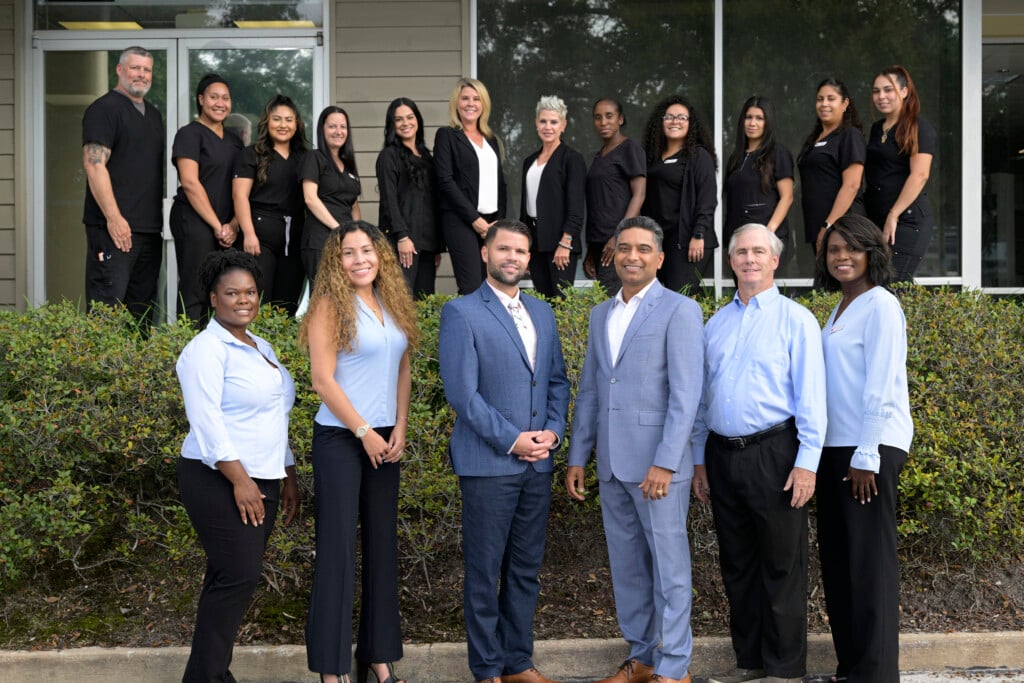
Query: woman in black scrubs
472	185
682	192
759	175
831	162
554	184
616	183
330	185
268	201
202	217
406	180
899	160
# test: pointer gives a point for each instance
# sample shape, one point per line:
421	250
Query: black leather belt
738	443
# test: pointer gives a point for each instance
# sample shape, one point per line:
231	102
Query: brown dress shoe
657	678
631	671
493	679
531	675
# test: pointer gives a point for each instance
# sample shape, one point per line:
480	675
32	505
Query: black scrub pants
605	275
193	240
762	544
346	487
860	566
464	248
678	273
913	234
280	261
549	279
116	277
234	563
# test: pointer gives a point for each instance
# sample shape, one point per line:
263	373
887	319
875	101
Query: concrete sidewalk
934	657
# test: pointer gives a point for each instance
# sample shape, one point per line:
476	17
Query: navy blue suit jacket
489	383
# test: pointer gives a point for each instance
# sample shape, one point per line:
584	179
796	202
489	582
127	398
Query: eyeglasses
671	118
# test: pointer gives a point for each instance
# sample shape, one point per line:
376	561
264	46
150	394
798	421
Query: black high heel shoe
363	669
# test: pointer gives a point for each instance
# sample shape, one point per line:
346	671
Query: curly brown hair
334	289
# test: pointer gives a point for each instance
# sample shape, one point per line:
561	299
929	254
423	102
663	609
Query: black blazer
458	174
560	199
407	210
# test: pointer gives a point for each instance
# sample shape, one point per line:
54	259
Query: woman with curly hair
682	192
899	160
268	201
758	186
406	181
831	162
330	185
360	329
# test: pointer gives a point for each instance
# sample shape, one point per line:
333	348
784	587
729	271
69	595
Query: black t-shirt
664	185
608	191
821	175
407	204
216	158
337	190
745	199
682	195
136	164
280	194
887	169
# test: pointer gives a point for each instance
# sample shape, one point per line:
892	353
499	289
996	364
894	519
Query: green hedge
91	422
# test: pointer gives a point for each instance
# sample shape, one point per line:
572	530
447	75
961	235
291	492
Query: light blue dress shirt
368	374
237	403
763	365
866	375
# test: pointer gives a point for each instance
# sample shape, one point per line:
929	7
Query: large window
642	51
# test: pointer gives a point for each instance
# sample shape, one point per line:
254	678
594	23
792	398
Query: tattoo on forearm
96	154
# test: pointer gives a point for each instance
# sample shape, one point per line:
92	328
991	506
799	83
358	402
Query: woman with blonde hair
467	156
359	330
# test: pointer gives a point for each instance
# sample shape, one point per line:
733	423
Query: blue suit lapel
647	305
600	329
504	318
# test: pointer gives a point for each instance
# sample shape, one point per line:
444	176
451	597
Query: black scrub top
216	158
281	194
745	199
821	175
608	191
336	189
887	169
682	195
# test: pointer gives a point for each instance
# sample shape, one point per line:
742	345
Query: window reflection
183	14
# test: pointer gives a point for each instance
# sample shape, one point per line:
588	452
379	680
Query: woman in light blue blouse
237	398
866	444
360	328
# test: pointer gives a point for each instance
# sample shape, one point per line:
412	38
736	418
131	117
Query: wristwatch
698	235
363	431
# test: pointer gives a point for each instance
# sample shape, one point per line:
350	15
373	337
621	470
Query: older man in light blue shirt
756	444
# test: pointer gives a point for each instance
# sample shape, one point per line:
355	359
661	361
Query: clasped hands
534	446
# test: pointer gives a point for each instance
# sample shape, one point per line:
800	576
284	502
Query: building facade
966	57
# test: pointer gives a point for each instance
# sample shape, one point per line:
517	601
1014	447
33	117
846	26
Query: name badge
670	161
838	327
821	144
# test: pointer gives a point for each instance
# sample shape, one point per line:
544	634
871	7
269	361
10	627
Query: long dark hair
850	117
417	172
264	146
697	135
764	157
347	153
863	235
910	108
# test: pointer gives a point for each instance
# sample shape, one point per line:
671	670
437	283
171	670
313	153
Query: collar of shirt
222	333
504	298
762	299
638	297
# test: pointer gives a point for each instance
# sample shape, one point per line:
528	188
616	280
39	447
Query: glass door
72	73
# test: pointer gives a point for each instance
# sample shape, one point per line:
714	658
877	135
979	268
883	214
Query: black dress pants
193	240
860	566
762	551
678	273
280	260
234	564
549	279
346	487
116	277
464	249
422	274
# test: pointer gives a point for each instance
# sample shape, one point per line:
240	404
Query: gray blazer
640	412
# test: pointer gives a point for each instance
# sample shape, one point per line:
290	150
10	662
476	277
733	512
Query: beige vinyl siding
8	296
396	48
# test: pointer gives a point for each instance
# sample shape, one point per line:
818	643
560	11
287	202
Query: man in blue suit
504	374
641	385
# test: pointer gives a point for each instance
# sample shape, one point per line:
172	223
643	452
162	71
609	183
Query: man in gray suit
638	397
503	372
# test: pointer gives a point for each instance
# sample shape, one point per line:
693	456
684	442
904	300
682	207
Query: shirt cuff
866	460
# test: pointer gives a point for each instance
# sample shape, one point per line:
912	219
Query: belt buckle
737	442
